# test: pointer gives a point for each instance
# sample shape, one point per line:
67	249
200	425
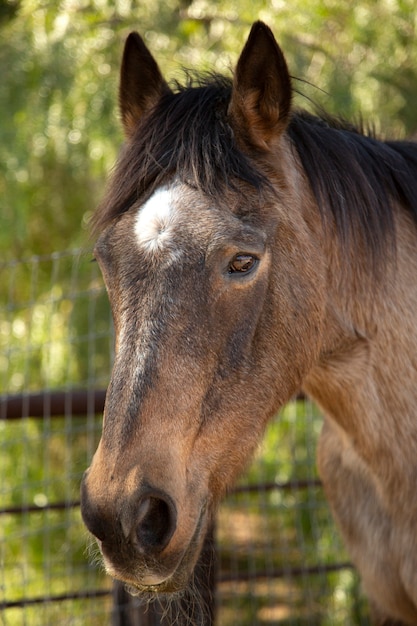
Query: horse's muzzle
138	538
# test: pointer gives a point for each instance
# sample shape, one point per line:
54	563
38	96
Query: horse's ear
261	97
141	82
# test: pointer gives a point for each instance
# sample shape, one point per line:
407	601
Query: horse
250	250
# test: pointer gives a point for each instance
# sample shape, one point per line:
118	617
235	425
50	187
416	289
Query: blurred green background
59	62
59	136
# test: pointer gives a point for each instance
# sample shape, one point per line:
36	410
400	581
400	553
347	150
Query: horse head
217	312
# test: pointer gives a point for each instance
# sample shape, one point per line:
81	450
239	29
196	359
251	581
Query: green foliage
59	129
43	552
55	332
55	324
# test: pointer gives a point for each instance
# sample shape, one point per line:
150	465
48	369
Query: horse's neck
366	379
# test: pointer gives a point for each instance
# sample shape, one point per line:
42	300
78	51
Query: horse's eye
242	263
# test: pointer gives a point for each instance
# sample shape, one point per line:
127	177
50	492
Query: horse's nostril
156	522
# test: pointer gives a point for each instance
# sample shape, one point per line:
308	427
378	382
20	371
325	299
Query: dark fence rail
78	403
52	404
64	597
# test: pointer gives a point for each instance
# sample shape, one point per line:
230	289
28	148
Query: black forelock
188	135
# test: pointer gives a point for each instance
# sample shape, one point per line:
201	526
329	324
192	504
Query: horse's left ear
261	97
141	83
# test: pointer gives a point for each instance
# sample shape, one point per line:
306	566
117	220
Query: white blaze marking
154	226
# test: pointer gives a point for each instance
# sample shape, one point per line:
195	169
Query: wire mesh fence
280	557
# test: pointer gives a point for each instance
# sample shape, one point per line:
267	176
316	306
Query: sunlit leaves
59	129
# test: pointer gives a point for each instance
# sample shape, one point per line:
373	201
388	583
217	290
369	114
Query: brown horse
250	250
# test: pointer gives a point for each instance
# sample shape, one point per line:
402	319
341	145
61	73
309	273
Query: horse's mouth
175	582
167	587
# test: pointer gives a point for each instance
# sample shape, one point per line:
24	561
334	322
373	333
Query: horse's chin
150	585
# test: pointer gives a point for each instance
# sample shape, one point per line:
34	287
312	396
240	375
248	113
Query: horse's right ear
260	105
141	83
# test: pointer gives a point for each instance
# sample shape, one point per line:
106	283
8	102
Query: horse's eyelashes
242	264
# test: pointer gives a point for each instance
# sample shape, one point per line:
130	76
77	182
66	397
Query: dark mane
355	179
187	133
